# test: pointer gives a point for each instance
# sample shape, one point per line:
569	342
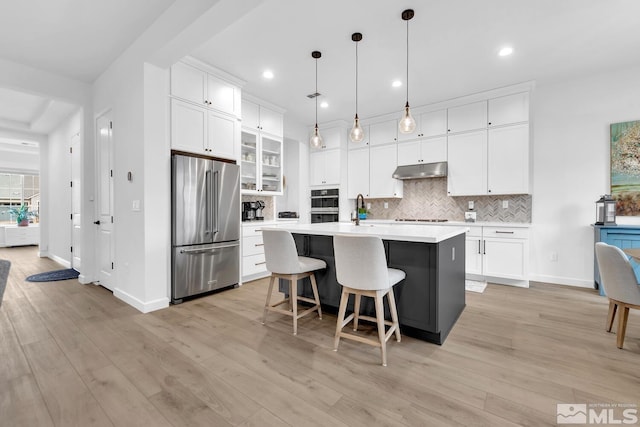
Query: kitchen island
429	300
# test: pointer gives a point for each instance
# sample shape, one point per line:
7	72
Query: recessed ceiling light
396	83
505	51
324	104
267	74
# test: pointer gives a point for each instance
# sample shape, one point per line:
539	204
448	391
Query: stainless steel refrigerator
205	236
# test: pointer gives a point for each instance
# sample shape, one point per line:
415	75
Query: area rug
4	275
474	286
52	276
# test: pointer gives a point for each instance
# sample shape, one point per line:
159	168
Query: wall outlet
505	204
470	216
553	257
386	205
471	205
136	205
368	206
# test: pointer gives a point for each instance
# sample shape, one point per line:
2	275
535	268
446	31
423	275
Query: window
16	190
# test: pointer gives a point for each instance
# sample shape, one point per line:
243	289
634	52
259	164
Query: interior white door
104	137
76	205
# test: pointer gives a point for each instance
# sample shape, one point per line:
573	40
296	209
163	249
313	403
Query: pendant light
357	133
316	139
407	123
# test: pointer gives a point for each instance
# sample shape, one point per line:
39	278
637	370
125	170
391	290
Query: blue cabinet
622	236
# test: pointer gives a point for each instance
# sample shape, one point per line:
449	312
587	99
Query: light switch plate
505	204
136	205
471	204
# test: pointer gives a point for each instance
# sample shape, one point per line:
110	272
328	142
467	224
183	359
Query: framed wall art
625	167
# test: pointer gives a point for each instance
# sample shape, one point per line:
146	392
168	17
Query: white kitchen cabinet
508	109
508	160
324	167
429	150
383	161
473	251
383	132
358	173
259	117
467	117
467	163
195	129
505	252
254	265
204	89
261	165
433	123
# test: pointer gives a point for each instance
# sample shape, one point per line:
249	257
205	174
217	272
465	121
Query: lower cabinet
498	253
254	265
622	236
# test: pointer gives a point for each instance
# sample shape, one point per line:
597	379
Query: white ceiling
453	47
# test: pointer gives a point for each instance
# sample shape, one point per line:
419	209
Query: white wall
571	167
55	236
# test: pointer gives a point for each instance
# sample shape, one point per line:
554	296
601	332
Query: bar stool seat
361	269
284	262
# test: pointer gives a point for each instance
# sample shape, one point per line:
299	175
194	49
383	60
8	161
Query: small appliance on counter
287	214
252	211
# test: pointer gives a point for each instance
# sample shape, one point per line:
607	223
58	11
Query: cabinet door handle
259	244
504	232
260	263
479	247
484	247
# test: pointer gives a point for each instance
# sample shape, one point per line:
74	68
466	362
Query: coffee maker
252	211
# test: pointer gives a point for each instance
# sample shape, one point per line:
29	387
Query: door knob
96	222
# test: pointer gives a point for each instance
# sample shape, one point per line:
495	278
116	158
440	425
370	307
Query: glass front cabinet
261	159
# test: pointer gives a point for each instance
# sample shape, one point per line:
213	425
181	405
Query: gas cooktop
421	220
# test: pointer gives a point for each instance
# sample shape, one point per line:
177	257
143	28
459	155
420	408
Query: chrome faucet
358	197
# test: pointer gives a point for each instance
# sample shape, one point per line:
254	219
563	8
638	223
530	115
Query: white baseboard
499	280
144	307
84	280
566	281
43	254
63	262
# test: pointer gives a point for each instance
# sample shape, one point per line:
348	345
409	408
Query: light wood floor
73	355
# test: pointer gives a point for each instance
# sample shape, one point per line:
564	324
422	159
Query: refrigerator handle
207	213
216	198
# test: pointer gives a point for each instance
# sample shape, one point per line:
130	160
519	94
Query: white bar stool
361	269
284	263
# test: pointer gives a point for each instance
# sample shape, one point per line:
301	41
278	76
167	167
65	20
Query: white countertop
450	223
400	232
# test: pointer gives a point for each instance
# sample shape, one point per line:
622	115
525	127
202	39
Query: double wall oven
324	205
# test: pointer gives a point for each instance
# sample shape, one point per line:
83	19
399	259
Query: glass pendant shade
316	140
407	123
357	133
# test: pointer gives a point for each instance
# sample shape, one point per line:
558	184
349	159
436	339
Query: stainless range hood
421	170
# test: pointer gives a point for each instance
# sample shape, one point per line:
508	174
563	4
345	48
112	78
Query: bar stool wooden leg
341	312
381	330
314	287
356	310
293	295
612	314
268	303
394	313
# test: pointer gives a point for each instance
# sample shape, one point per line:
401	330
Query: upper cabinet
331	138
202	88
205	113
383	132
262	149
255	116
467	117
433	123
509	109
325	163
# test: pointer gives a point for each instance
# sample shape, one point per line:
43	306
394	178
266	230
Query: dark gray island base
429	300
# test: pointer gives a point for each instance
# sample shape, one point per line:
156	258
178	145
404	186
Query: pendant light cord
407	62
356	79
316	93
